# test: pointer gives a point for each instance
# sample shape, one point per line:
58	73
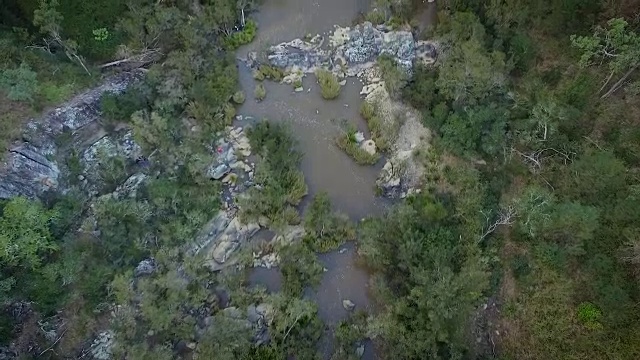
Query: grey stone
348	305
29	169
218	171
359	136
369	146
360	350
145	267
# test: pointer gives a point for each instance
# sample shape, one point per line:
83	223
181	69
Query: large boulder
351	49
30	168
220	239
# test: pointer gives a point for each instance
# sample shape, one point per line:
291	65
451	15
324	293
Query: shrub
329	84
348	144
243	37
238	97
258	75
367	110
269	72
260	92
300	268
380	135
376	17
394	77
326	229
589	315
520	266
20	84
282	183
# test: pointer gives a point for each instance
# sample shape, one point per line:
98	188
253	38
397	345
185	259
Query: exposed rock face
221	237
30	168
102	346
350	50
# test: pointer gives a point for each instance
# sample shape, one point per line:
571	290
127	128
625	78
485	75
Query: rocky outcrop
350	50
221	237
30	168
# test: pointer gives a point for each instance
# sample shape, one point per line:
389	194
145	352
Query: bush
283	184
238	97
329	84
589	315
258	75
520	266
326	230
395	78
21	84
380	135
300	268
268	72
376	17
260	92
348	144
243	37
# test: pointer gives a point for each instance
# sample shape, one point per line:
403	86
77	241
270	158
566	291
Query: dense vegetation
533	179
530	200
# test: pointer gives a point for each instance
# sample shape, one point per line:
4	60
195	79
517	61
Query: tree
21	84
617	46
24	234
48	19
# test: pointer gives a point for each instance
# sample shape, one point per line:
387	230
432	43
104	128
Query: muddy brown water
316	123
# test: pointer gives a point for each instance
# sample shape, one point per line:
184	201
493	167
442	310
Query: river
315	123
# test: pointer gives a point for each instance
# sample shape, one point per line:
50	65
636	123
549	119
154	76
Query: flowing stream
315	124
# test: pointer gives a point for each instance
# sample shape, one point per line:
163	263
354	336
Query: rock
354	48
28	171
369	146
360	350
218	171
221	237
130	187
359	136
299	89
191	345
101	348
290	234
145	267
222	251
343	82
232	312
348	305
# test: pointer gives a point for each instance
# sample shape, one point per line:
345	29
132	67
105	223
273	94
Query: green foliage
300	269
329	84
26	245
395	78
283	185
375	17
260	92
326	230
21	84
421	91
238	97
243	37
617	45
24	234
348	144
470	73
589	315
381	134
520	265
118	108
431	279
268	72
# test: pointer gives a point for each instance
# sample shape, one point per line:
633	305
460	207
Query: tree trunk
619	83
